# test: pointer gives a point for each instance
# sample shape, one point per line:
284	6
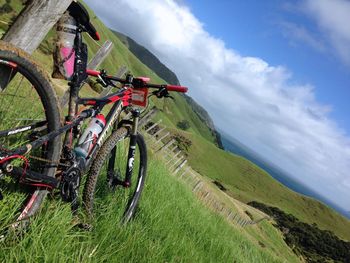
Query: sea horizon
235	147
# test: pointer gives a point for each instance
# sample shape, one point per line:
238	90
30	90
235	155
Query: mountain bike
34	156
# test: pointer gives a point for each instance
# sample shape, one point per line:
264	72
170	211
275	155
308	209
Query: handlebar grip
176	88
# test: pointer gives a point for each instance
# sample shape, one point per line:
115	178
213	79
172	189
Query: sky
273	74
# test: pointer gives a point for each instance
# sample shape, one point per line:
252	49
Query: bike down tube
40	141
111	118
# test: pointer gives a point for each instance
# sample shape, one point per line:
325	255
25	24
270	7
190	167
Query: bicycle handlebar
136	82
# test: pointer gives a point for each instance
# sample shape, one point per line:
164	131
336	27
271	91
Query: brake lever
169	96
162	93
105	82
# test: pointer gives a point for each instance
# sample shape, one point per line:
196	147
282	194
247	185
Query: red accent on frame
12	64
144	79
90	102
28	207
101	118
139	97
97	36
92	72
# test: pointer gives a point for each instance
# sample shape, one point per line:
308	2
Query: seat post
79	77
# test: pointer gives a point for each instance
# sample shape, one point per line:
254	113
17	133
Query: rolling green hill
172	225
147	58
247	182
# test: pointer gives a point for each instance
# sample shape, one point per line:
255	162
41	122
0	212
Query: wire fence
161	143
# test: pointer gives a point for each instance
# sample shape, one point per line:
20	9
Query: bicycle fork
132	148
114	177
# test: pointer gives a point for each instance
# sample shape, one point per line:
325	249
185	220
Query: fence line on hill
175	160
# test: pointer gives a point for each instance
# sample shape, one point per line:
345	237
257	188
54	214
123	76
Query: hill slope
208	160
247	182
147	58
167	227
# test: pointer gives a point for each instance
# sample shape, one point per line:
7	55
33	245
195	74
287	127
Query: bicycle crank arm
34	178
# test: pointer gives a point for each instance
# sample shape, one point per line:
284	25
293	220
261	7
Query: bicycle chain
41	159
48	161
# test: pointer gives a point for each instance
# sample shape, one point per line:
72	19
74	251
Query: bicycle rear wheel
27	99
101	192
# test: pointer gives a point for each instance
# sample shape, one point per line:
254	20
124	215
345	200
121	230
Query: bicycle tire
97	191
28	97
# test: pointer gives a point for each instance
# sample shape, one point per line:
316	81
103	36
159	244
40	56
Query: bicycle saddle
81	15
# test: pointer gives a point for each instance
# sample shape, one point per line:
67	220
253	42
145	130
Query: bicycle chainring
70	184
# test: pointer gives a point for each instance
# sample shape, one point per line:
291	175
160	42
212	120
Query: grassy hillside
147	58
171	226
247	182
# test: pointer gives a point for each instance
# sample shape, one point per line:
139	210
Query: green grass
171	226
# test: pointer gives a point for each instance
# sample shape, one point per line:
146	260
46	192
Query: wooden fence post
180	166
159	131
154	125
176	162
167	145
206	196
164	136
172	150
30	28
34	22
195	188
169	161
145	119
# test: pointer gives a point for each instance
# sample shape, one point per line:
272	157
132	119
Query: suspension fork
111	161
132	147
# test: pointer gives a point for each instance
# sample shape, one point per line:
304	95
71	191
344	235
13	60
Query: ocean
277	173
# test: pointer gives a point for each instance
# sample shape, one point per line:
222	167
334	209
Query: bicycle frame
120	100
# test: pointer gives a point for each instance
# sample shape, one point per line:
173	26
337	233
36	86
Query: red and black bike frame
121	101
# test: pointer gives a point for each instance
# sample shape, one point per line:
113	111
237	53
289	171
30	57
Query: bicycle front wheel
104	188
28	110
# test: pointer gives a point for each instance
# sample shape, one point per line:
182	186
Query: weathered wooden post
145	119
31	26
154	125
163	137
34	22
172	158
158	132
180	166
176	162
167	145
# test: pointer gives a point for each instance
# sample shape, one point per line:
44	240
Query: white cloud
248	98
332	17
